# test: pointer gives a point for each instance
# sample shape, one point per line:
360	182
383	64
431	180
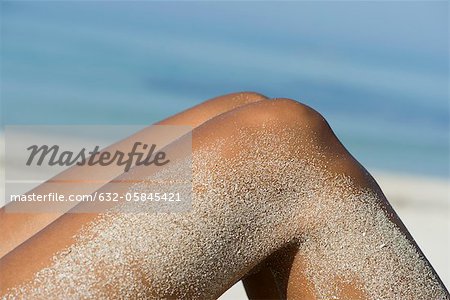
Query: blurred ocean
378	71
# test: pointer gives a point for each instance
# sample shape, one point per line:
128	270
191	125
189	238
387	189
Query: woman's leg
18	227
271	183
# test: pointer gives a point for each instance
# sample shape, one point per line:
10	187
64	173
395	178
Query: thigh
18	227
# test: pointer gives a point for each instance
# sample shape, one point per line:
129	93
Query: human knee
237	99
249	96
286	113
298	113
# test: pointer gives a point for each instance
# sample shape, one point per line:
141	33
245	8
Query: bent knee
286	113
295	111
211	108
249	96
228	102
236	99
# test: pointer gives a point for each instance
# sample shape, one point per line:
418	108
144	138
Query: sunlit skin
225	117
18	227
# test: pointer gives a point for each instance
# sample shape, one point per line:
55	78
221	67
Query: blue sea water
378	71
